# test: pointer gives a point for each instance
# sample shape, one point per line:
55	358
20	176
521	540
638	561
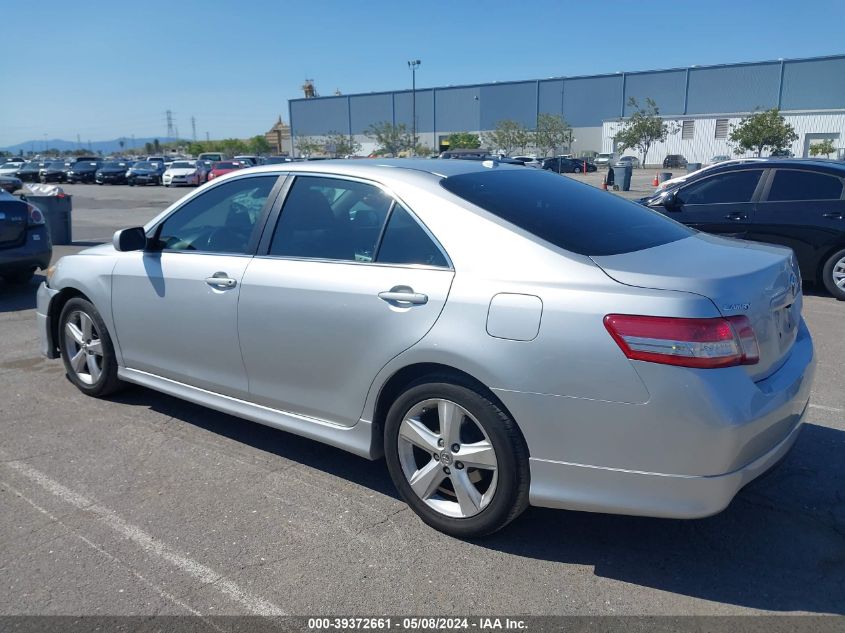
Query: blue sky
105	70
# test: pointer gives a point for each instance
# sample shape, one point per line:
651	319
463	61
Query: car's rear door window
571	215
791	184
406	242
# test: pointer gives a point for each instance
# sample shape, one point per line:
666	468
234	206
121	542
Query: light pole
413	65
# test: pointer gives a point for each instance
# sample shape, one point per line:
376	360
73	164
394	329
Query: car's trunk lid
758	280
13	218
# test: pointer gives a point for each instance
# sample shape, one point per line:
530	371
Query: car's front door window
220	220
735	187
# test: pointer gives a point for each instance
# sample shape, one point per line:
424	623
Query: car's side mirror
133	239
671	202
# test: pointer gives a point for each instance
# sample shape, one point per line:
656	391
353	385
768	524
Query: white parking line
821	408
150	545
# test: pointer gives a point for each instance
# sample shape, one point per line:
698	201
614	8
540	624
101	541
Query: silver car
503	336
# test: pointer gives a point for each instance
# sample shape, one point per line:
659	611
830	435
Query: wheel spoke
426	480
93	368
468	496
78	361
74	332
415	432
87	325
96	347
478	455
450	421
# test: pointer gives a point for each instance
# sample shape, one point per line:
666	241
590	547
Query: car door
175	306
804	210
347	280
722	203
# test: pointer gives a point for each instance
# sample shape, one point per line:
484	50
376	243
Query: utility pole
169	115
78	142
413	65
194	128
206	137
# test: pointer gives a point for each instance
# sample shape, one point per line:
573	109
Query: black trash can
58	213
622	176
691	167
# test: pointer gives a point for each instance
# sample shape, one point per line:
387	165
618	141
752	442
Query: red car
224	167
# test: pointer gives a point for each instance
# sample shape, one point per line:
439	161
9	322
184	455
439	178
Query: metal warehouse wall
585	102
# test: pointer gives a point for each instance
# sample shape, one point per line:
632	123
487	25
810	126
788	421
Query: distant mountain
106	147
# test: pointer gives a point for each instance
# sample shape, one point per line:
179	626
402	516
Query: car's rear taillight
35	217
703	343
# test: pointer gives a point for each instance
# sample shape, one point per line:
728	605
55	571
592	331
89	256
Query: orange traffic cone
604	184
655	182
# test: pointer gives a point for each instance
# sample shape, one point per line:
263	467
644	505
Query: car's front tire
457	459
87	349
833	274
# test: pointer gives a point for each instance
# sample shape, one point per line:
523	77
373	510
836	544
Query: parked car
112	172
145	173
203	169
84	171
563	165
224	167
671	182
248	159
10	183
80	159
490	378
674	160
24	240
794	203
54	171
182	172
28	172
781	153
214	157
276	160
623	161
10	169
530	161
719	158
605	159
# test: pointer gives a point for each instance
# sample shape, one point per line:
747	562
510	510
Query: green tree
825	148
259	145
339	145
464	140
233	146
762	130
642	129
552	131
308	145
390	139
508	136
423	150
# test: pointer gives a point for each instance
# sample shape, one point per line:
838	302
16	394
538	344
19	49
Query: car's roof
768	163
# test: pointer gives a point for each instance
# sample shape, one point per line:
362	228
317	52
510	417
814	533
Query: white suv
605	159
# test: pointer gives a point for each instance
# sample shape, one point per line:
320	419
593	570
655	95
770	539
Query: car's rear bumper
42	321
36	252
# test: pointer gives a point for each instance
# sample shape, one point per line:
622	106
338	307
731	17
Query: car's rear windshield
226	165
181	164
571	215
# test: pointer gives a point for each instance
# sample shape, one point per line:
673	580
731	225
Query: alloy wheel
447	458
839	273
84	347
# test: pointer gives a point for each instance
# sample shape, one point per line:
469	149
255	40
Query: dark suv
24	240
674	160
83	171
796	203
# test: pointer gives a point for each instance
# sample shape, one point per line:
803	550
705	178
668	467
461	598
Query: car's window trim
764	197
254	240
273	220
762	183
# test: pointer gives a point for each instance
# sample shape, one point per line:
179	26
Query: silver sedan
502	336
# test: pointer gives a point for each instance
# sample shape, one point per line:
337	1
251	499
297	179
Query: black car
10	183
112	172
145	173
29	171
83	171
562	165
674	160
24	240
795	203
55	171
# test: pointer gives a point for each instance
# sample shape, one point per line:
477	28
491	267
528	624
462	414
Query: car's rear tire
465	455
833	274
87	349
19	276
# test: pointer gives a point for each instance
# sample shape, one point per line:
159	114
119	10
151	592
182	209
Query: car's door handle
221	280
403	295
835	215
736	215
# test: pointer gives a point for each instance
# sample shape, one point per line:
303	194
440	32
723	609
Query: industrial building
701	101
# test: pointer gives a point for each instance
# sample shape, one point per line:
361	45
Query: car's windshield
226	165
144	165
573	216
10	166
114	164
181	164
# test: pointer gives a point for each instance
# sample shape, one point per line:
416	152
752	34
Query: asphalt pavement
143	504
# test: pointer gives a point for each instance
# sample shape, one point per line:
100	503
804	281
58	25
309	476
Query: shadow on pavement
780	546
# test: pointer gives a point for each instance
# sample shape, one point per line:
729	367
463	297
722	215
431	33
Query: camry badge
736	306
